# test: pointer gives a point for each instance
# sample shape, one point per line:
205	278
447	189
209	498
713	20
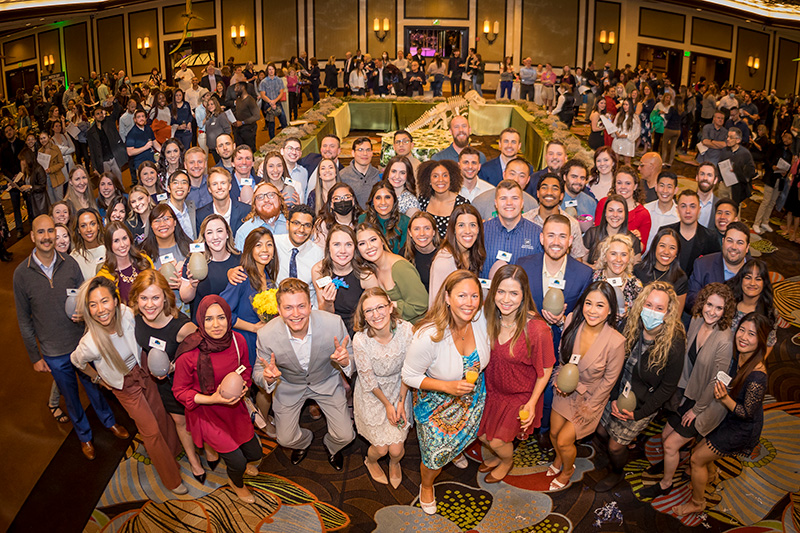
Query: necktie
293	263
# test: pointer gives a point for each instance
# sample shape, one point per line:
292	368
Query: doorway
432	40
195	52
712	68
660	60
21	78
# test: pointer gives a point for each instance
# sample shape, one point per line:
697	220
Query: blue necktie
293	263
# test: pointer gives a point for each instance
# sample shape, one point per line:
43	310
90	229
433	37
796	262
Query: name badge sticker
615	282
571	203
289	182
247	182
167	258
324	282
162	197
485	283
197	247
575	359
158	344
504	256
724	378
72	292
241	369
101	260
557	283
627	389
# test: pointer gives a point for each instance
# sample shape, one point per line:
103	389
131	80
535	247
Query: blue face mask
651	319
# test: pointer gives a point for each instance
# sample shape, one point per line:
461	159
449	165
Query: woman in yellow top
123	261
54	168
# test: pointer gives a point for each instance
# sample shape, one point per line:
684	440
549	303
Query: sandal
552	471
60	416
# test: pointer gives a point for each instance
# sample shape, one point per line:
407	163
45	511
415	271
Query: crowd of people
466	297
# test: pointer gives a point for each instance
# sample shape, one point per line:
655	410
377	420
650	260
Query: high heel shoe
427	507
212	465
201	478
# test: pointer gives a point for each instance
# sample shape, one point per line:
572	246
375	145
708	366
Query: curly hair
766	298
723	291
671	331
605	245
638	192
425	170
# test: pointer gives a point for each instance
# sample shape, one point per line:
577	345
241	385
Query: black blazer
9	157
704	242
96	146
239	210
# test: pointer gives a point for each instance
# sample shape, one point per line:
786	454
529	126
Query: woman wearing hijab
205	358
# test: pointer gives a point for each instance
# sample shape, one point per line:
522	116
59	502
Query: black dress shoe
656	469
201	478
212	465
336	460
544	442
654	491
299	455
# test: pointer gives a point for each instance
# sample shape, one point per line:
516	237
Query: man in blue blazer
721	266
234	211
553	268
555	156
492	171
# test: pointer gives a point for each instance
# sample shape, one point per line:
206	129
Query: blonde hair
439	315
98	333
605	245
672	328
74	197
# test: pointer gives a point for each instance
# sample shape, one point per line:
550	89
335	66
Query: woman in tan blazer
709	350
55	172
590	339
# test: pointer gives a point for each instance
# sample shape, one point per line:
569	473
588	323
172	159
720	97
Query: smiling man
555	156
492	171
233	211
696	240
551	192
469	161
518	170
460	130
178	187
663	210
721	266
360	174
268	209
297	253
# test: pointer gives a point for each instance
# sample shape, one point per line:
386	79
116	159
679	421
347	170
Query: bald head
43	234
650	167
459	128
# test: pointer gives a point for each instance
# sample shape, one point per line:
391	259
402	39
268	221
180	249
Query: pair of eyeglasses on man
265	196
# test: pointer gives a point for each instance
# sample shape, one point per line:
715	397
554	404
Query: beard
705	186
269	212
462	141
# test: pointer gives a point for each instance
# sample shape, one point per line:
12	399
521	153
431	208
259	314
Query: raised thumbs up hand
271	372
340	355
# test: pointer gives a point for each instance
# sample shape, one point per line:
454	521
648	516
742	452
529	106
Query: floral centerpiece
265	304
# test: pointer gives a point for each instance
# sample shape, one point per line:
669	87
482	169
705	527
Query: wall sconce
606	42
49	63
753	64
494	33
376	27
143	45
241	41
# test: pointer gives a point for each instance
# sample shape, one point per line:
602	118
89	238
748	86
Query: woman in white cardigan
443	365
627	132
110	345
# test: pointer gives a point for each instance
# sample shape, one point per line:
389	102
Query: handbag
273	112
256	417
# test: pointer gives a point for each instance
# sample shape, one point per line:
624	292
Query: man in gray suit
302	348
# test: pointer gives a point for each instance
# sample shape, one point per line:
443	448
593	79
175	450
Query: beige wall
49	45
339	31
111	44
280	30
18	50
549	28
380	9
175	23
437	9
786	67
143	24
756	44
607	17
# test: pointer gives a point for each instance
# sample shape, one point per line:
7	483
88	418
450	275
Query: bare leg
428	477
702	455
187	443
505	451
371	462
489	457
396	453
565	444
673	442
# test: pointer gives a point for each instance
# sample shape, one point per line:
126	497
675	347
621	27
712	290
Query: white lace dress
379	365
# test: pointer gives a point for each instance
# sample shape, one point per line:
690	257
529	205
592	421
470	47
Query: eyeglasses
293	149
344	198
379	310
402	141
266	196
306	225
164	219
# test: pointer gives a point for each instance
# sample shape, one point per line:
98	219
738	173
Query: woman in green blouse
397	276
382	210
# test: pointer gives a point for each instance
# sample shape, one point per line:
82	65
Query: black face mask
343	208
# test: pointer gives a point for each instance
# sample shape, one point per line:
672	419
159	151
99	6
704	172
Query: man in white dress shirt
469	161
663	211
297	253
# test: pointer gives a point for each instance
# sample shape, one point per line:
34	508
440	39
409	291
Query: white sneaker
767	228
758	230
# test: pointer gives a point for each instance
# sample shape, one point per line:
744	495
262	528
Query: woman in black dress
159	325
661	263
439	185
338	278
739	432
614	221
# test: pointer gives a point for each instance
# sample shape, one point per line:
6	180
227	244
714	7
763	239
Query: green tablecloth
376	116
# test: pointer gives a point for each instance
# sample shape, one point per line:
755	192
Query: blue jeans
506	86
64	375
476	86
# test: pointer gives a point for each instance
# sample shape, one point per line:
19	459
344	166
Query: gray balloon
158	362
70	305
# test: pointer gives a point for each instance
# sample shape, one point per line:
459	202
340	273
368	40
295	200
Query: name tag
571	203
101	260
241	369
72	292
158	344
324	281
247	182
289	182
556	283
197	247
504	256
166	258
485	283
162	197
723	378
575	359
626	390
615	282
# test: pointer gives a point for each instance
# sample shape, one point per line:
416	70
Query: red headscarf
207	345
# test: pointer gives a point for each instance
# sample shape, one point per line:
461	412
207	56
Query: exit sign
687	53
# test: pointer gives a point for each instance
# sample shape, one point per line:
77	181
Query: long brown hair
359	319
526	311
411	251
371	215
439	316
138	259
762	330
326	266
144	281
249	264
79	245
411	181
638	193
477	253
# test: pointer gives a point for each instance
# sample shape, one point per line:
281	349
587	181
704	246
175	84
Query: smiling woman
125	261
383	210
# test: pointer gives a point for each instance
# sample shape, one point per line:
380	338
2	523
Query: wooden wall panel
111	43
280	30
550	31
756	44
437	9
236	14
143	24
175	23
18	50
786	67
381	9
606	17
492	10
76	51
339	31
49	44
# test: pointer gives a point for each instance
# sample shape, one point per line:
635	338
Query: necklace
462	334
513	324
131	278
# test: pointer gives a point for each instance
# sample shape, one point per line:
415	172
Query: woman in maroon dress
520	366
205	358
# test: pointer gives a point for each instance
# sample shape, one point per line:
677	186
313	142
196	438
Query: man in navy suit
555	155
233	211
555	268
492	171
721	266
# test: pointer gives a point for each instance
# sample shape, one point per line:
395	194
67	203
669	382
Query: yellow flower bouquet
265	304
